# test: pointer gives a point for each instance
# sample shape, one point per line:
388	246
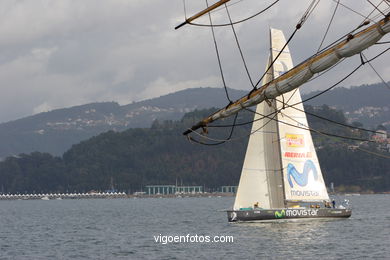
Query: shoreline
142	196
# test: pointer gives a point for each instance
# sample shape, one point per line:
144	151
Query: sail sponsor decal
297	155
301	178
301	212
296	213
304	184
280	214
295	140
305	193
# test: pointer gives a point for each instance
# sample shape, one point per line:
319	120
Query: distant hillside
56	131
368	104
133	158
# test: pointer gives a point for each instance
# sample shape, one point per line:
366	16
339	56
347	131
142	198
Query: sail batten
296	76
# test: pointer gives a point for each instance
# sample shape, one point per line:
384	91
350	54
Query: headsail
262	164
295	77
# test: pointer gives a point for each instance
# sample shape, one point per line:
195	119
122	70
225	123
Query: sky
62	53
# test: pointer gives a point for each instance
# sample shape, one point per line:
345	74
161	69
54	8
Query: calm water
124	229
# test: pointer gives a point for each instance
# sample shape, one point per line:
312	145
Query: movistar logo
280	214
301	178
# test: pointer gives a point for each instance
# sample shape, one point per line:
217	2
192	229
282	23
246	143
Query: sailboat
281	175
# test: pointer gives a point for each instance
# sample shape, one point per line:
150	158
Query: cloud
44	107
61	53
162	86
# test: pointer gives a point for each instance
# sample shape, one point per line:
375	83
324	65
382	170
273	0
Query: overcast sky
61	53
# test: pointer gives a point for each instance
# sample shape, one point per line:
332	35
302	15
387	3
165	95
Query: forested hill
368	104
56	131
162	155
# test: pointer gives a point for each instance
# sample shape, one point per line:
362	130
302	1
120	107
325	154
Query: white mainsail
277	153
302	174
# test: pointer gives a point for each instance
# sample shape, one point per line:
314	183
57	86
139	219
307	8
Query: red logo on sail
297	155
294	140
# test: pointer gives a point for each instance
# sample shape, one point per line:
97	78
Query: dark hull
276	214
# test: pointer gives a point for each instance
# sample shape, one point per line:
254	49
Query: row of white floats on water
50	196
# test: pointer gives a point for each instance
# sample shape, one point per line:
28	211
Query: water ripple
125	229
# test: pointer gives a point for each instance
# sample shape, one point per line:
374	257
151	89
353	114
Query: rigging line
223	79
337	83
376	72
307	128
335	42
376	7
278	111
234	124
319	47
330	120
325	71
231	4
350	9
374	17
371	152
185	11
317	76
320	93
240	137
218	57
379	15
335	136
334	85
342	37
329	24
322	41
321	132
311	7
295	91
219	141
236	22
239	47
277	56
310	129
378	55
387	2
304	17
242	124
